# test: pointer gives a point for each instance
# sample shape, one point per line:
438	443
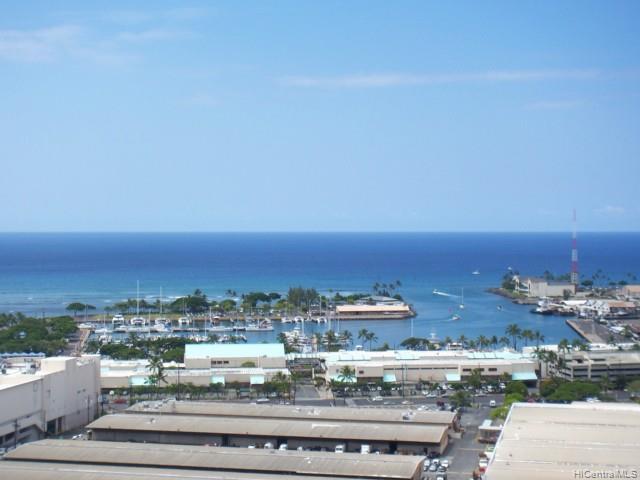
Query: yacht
475	272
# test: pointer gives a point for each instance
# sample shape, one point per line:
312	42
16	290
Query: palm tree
494	341
332	340
362	334
347	337
156	371
462	340
483	342
447	340
371	338
505	341
514	332
527	335
347	374
538	337
563	345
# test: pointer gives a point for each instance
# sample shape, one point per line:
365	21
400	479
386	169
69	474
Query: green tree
157	373
515	333
76	307
347	374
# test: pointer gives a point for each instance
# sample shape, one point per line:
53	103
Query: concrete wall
62	395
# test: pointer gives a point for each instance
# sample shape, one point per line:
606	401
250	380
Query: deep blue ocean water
43	272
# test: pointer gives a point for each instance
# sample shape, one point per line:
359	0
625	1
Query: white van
339	448
365	449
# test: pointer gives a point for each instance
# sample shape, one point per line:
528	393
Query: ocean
41	273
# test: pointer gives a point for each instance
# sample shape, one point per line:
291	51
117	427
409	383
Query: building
299	413
204	364
37	470
631	291
558	442
539	287
372	312
246	431
47	396
409	366
222	355
237	460
593	365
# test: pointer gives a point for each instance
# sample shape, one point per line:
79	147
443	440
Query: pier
592	331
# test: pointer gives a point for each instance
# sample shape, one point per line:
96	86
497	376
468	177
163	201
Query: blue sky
334	115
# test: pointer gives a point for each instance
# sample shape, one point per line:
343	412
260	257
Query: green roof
233	350
524	376
389	378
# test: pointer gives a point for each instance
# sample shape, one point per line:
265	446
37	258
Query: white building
397	366
47	396
539	287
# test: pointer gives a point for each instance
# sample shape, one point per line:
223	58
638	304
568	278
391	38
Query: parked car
492	403
365	449
283	446
445	463
339	448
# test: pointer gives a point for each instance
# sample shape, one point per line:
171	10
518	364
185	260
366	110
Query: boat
85	326
321	319
438	292
100	331
298	319
117	319
475	272
499	307
455	317
286	320
462	299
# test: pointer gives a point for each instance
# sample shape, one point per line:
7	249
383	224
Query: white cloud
610	211
378	80
555	105
39	45
150	35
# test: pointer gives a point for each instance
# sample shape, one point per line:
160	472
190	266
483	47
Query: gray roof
553	441
291	412
16	470
266	427
216	458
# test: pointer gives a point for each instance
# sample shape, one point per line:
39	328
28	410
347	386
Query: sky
319	116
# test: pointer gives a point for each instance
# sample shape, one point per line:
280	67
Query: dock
592	331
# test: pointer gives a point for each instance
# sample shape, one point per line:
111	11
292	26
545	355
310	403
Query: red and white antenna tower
574	251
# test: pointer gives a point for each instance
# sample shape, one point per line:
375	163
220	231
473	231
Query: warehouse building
16	470
300	413
557	442
239	460
381	311
244	431
47	396
410	366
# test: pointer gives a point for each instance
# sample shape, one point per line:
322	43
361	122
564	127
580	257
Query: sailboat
137	321
462	299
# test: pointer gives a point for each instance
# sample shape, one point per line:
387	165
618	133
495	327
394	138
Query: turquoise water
43	272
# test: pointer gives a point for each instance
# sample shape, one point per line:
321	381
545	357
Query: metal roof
293	412
553	441
233	350
16	470
216	458
266	427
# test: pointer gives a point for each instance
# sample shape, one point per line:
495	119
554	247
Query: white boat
117	319
298	319
286	320
438	292
137	321
475	272
101	331
455	317
86	326
320	320
462	299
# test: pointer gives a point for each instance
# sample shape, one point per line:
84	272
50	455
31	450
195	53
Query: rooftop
17	470
232	350
346	414
553	441
215	458
389	432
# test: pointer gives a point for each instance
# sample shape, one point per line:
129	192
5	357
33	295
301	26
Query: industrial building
539	287
378	311
401	366
299	413
16	470
47	396
593	365
412	438
557	442
237	460
204	364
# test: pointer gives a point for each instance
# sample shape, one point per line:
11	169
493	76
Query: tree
347	337
156	371
76	307
460	399
347	374
517	387
514	332
475	379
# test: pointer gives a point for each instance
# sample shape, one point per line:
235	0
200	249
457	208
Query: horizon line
70	232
